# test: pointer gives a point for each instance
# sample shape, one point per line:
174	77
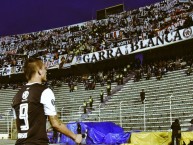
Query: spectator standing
85	106
125	71
102	96
176	132
108	87
91	102
142	95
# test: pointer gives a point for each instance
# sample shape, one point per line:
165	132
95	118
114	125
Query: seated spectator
108	89
148	76
158	74
58	83
92	85
171	66
183	64
86	85
137	75
102	82
117	79
177	64
53	83
163	71
189	71
125	70
71	86
6	86
62	63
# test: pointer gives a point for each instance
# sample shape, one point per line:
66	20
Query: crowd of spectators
103	78
138	69
95	35
161	67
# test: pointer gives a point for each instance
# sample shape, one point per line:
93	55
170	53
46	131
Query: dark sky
22	16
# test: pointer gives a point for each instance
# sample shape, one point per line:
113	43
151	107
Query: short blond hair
31	66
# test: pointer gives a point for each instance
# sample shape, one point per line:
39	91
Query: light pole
171	108
100	112
79	110
7	114
120	113
62	113
11	128
144	111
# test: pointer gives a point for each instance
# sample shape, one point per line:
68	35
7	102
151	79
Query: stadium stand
157	93
168	96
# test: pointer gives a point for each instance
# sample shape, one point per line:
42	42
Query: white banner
67	58
5	71
18	69
11	70
142	45
49	61
184	1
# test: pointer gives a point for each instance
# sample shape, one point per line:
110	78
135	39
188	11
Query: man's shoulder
38	86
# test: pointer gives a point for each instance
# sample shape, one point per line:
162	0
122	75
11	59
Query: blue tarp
98	133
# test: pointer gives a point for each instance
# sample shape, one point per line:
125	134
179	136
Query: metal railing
120	113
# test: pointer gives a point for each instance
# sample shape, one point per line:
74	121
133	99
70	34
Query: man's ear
39	73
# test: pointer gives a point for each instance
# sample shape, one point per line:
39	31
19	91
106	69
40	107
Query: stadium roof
23	16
